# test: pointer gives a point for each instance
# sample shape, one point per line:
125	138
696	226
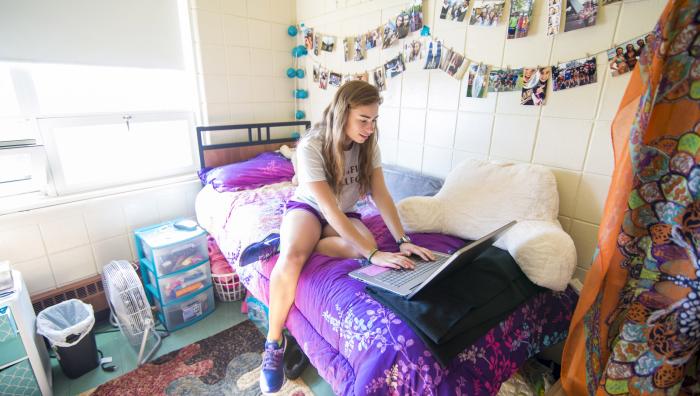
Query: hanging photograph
553	16
505	80
534	91
316	73
373	38
379	79
413	51
457	65
415	16
574	73
328	43
445	58
317	43
355	48
308	38
623	58
580	14
323	78
402	25
454	10
394	67
478	80
433	54
334	79
486	12
364	76
389	34
519	19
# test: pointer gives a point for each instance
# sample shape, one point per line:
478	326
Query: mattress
357	345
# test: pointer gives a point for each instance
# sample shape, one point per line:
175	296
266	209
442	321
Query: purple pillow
266	168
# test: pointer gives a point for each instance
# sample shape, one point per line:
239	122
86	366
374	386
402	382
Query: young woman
338	161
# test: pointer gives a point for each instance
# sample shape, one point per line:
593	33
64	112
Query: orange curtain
636	328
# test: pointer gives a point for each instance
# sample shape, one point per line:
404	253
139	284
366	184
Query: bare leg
299	233
331	244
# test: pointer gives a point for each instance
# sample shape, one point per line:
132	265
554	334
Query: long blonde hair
331	130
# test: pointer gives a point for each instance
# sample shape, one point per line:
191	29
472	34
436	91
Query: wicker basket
228	287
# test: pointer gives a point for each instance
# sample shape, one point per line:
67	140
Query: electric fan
129	308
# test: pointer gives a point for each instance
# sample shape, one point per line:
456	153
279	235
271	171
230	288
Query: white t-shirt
311	168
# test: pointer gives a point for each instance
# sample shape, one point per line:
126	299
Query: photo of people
505	80
328	43
364	76
394	67
486	12
623	59
308	38
323	78
433	55
355	48
402	25
574	73
445	58
379	79
316	73
373	38
317	43
553	17
519	19
412	51
335	79
457	65
478	80
454	10
535	83
389	34
580	14
415	16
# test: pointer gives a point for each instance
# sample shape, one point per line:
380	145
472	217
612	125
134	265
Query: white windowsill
26	202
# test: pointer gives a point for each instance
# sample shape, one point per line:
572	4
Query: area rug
227	363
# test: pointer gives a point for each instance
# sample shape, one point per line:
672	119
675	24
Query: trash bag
66	323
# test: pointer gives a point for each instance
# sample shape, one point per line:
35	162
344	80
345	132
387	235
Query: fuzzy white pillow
479	197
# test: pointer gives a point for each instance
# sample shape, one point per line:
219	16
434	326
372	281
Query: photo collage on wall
580	14
478	80
574	73
623	58
519	19
535	82
486	12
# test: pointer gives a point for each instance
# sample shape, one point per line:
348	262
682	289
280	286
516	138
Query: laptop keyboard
400	277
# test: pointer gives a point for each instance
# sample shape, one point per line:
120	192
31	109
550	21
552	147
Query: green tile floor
115	345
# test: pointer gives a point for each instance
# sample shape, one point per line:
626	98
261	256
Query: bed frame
212	155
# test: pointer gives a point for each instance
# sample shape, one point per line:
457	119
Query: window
92	127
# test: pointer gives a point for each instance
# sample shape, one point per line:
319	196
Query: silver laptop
408	283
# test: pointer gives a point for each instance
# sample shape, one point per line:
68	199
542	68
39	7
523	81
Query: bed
357	345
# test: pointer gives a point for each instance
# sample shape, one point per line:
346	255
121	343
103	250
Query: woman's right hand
392	260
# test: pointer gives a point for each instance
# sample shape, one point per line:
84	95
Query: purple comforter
359	346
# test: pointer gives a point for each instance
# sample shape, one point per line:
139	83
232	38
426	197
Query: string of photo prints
481	78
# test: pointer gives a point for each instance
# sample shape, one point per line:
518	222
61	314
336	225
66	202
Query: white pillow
291	154
479	197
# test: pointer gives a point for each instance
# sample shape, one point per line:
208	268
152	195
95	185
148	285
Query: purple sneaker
272	373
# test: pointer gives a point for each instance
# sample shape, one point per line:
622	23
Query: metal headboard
250	127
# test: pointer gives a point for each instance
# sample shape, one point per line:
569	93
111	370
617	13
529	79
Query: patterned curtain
636	328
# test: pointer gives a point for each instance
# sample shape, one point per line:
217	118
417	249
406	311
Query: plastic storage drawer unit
180	284
184	312
171	249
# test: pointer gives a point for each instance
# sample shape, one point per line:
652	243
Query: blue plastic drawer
181	313
170	249
11	347
180	284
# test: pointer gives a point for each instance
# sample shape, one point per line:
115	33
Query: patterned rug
227	363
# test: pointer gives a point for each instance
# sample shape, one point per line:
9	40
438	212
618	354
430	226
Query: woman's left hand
409	248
